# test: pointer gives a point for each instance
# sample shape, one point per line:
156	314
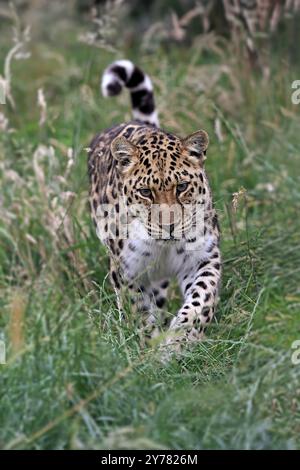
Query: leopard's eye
145	192
181	187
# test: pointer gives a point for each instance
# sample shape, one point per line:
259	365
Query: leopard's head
164	181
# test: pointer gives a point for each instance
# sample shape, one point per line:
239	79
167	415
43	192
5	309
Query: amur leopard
152	205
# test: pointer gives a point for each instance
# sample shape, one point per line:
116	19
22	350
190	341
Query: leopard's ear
123	151
196	145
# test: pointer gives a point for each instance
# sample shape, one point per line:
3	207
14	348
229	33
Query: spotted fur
124	73
139	166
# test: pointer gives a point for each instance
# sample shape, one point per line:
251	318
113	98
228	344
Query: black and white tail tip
124	73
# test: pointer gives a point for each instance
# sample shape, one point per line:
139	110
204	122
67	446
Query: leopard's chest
148	259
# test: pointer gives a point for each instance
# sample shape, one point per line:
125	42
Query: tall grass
75	376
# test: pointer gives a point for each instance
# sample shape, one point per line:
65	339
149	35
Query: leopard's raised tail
123	73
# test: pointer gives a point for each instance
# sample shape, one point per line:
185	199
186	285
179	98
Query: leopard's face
163	181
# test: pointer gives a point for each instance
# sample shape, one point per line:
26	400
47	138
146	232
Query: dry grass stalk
16	321
3	121
57	203
20	39
42	104
237	197
105	33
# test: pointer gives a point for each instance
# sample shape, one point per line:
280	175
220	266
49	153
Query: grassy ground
75	376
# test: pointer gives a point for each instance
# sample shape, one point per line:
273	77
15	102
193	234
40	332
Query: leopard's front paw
171	346
185	328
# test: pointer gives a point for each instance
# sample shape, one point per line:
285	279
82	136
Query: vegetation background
75	376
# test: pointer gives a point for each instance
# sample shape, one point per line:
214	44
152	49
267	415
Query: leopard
152	206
